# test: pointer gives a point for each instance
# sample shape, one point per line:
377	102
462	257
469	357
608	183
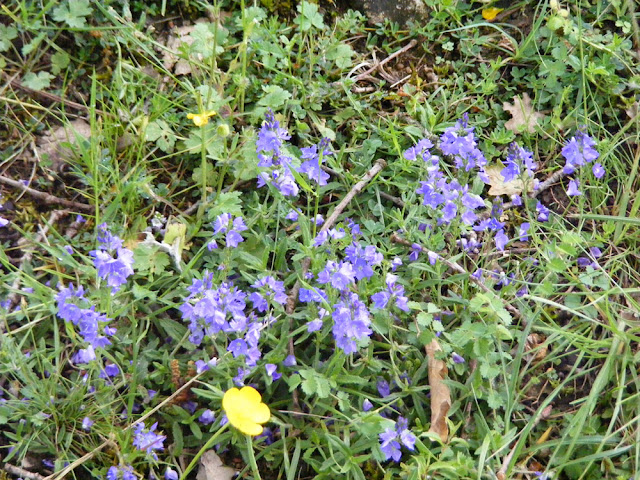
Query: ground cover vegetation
276	242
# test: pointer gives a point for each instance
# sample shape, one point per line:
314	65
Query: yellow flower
200	119
491	13
245	410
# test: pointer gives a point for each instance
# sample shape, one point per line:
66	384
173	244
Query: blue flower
226	223
394	291
170	474
517	159
598	170
363	259
391	440
207	417
578	151
351	322
311	167
420	150
574	188
73	307
543	212
113	269
269	290
147	440
123	472
339	275
501	240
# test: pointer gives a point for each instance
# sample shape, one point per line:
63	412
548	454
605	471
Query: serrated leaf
38	81
341	54
59	61
73	13
274	97
309	16
160	132
7	34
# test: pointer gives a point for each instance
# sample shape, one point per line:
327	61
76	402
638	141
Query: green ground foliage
469	312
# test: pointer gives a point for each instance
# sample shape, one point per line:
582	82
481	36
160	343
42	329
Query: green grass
553	388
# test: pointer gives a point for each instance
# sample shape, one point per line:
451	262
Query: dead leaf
499	186
440	394
211	468
53	143
523	116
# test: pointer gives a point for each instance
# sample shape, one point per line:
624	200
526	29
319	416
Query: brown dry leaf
211	468
523	116
59	144
440	394
177	37
499	186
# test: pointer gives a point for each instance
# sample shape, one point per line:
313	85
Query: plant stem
252	459
206	447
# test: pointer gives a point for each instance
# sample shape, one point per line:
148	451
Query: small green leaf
73	13
38	81
341	54
7	34
59	61
275	96
159	132
309	16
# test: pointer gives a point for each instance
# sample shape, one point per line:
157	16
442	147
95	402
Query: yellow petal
245	410
491	13
261	413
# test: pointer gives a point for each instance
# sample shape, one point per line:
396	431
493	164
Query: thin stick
51	97
458	268
21	472
377	66
293	294
47	198
65	471
355	190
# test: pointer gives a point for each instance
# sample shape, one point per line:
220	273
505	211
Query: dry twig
47	198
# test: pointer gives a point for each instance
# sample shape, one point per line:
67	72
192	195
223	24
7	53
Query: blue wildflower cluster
578	152
279	166
231	227
448	199
113	262
121	472
147	440
74	307
392	438
213	309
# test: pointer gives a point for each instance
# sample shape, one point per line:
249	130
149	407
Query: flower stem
206	447
252	459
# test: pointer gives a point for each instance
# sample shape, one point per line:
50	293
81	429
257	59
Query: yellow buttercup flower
491	13
200	119
245	410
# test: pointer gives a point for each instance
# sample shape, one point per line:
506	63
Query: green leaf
59	61
309	16
7	34
73	13
275	96
557	265
33	44
159	132
38	81
341	54
173	328
178	440
315	383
